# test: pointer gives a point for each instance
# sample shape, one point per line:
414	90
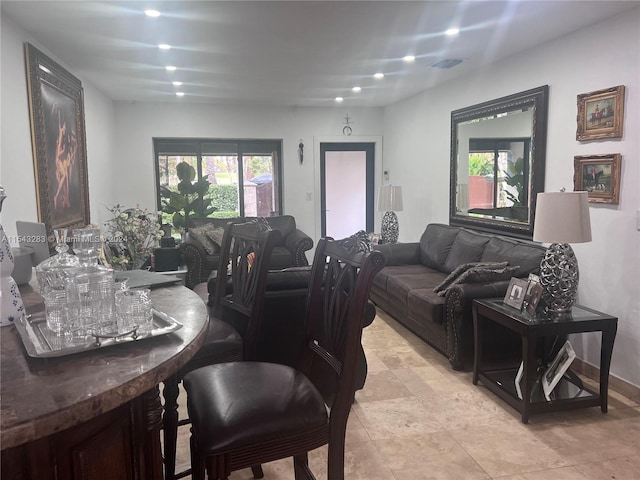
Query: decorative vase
10	299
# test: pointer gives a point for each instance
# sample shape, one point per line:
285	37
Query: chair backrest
242	275
337	301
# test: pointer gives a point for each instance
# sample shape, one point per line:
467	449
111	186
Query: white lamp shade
390	199
562	217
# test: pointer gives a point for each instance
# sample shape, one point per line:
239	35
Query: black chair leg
301	467
170	426
257	471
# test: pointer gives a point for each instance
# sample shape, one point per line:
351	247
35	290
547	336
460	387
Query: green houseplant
514	177
189	199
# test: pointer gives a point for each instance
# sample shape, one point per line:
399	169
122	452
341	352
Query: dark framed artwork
599	175
601	114
56	111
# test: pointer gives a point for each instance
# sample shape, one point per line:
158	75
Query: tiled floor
416	419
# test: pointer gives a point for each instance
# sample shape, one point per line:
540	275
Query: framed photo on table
515	293
557	369
600	114
56	111
599	175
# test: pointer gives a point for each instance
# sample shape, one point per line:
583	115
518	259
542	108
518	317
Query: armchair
201	254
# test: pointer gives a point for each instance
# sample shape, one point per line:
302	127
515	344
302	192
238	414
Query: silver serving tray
41	342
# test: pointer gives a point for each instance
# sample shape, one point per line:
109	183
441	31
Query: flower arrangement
134	232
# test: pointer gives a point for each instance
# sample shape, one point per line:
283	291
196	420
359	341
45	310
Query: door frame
370	163
377	174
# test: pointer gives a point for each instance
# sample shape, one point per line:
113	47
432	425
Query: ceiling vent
447	63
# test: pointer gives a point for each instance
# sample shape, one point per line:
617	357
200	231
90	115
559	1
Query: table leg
528	374
606	351
477	343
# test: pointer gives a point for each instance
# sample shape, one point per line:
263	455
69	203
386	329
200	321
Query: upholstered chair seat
283	402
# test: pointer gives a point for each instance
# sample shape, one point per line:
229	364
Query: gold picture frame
56	112
601	114
599	175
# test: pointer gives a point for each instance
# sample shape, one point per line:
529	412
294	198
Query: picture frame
599	175
601	114
557	369
56	112
515	293
535	294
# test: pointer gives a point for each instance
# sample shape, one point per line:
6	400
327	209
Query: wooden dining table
93	415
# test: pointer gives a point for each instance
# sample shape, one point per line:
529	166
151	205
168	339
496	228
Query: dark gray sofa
404	288
288	252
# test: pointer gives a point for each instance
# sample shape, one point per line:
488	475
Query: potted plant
189	199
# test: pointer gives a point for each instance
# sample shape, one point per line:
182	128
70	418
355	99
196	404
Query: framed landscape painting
56	111
599	175
601	114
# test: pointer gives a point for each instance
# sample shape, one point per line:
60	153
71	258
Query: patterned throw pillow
483	275
216	236
358	242
460	269
201	235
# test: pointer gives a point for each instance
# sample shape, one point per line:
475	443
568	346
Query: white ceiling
293	53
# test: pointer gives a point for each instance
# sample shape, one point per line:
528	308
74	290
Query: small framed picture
599	175
374	238
516	292
557	368
534	298
600	114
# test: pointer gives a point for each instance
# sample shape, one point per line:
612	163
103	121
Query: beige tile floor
416	419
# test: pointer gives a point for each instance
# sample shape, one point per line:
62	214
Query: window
498	172
208	185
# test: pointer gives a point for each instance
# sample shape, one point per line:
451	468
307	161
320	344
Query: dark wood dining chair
239	296
249	413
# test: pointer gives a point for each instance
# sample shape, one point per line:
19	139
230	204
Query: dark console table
570	392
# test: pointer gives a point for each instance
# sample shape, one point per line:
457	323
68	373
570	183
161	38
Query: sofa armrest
400	253
458	316
195	258
298	242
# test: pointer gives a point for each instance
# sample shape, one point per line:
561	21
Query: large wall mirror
497	162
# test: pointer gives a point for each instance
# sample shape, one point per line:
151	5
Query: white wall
138	123
16	163
417	145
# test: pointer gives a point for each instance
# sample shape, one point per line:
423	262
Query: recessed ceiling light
452	31
356	89
339	99
378	75
409	59
152	13
179	94
164	46
170	68
176	84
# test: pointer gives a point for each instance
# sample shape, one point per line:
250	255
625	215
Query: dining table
94	414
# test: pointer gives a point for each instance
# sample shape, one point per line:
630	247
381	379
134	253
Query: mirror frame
538	100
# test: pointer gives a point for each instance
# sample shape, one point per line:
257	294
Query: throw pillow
358	242
483	275
460	269
201	235
216	235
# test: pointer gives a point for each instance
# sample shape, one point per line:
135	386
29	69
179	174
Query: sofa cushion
435	244
482	275
526	255
460	269
285	224
467	247
399	286
425	306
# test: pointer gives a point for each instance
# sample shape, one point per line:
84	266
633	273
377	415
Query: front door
347	188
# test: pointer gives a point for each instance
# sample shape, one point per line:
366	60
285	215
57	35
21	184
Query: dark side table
570	393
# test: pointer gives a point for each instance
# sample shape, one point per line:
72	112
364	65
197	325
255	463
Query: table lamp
390	201
561	218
